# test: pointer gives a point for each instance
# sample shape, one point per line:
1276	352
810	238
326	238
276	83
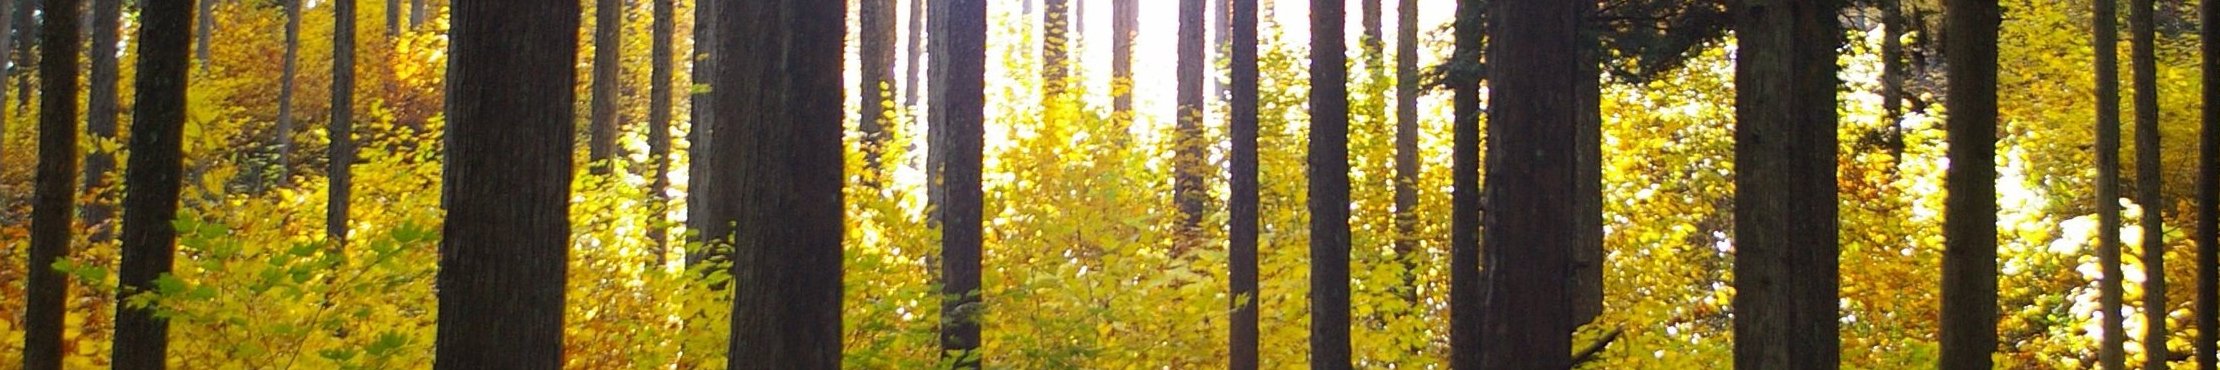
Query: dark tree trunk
1374	42
601	146
392	18
155	173
1241	205
284	132
915	60
1586	285
957	129
1187	141
100	118
701	154
2147	181
2112	351
507	184
2208	194
1055	47
659	125
1465	284
1969	258
53	198
341	131
1533	60
783	179
1125	23
1406	144
27	37
1329	186
416	14
1222	41
877	80
1785	200
207	30
1892	74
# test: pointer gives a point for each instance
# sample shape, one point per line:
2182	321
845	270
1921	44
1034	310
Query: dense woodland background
1108	170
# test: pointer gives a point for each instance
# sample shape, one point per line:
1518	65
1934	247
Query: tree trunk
341	131
7	48
659	126
957	129
1374	42
1222	41
1406	145
100	119
1969	286
392	18
915	61
1055	48
2111	353
507	184
156	170
700	156
1533	72
1241	204
1785	222
1329	186
416	14
1125	23
1586	285
54	197
783	179
27	35
1187	141
284	132
1465	284
602	144
207	31
1892	75
2208	193
876	47
2147	181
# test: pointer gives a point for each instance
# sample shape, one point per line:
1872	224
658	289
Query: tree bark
1374	42
1406	144
1241	204
877	38
207	31
602	141
957	129
155	174
701	153
1785	222
783	179
1465	284
392	18
1533	60
341	131
1585	297
1187	141
915	60
2148	180
54	197
2111	353
1055	47
284	131
1125	23
2208	193
1969	258
416	14
27	34
100	118
1329	186
507	184
659	125
1892	74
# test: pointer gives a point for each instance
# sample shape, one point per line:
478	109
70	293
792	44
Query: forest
1109	184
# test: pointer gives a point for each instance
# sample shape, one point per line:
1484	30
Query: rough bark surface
601	145
100	119
1969	288
700	153
659	125
2112	347
507	184
1465	285
2148	178
1785	201
1329	186
1532	120
958	83
341	131
54	197
1406	144
155	174
1241	205
782	120
2208	193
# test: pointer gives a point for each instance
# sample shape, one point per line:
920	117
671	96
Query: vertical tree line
2111	352
2147	182
1969	287
601	145
957	129
100	116
155	172
1532	58
659	123
1241	203
1786	276
341	130
1328	173
53	198
1465	284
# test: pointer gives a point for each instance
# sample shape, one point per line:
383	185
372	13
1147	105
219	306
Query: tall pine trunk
1125	23
1406	145
1465	284
1373	43
1892	74
877	38
206	28
1055	47
100	118
54	197
1533	57
1969	286
1785	199
1329	186
957	132
2112	351
914	60
341	131
284	131
1241	204
156	170
1585	287
602	141
659	126
2147	182
392	18
2208	193
27	39
416	13
507	184
783	180
700	155
1187	141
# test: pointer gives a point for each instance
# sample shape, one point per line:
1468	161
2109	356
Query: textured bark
53	198
1785	201
2111	350
1969	286
2208	193
957	129
1585	287
2147	181
784	114
1533	60
341	131
876	47
155	173
1465	285
659	125
291	71
914	61
1187	141
1241	204
1125	23
100	119
601	143
507	184
701	153
1892	74
1055	47
1329	186
207	30
1406	144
